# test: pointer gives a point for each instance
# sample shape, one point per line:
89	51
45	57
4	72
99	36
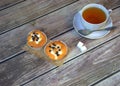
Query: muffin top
36	39
56	50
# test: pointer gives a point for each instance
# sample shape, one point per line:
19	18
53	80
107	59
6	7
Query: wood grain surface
24	67
114	80
27	11
7	3
50	25
30	66
85	69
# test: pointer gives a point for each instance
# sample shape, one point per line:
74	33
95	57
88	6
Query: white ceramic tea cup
91	25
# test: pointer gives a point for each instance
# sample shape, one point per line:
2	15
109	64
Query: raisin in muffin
56	50
36	39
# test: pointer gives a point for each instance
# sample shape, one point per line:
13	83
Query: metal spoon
87	31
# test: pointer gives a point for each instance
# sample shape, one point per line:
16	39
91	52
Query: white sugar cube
83	49
81	46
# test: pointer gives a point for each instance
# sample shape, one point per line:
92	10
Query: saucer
77	24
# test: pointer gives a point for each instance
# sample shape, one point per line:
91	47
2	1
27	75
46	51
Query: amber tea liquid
94	15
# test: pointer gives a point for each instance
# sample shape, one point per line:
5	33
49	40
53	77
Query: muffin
36	39
56	50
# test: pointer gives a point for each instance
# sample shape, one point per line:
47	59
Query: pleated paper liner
39	52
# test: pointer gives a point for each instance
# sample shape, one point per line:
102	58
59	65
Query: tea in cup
94	16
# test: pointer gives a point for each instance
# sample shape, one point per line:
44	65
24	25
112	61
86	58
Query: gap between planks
104	78
10	5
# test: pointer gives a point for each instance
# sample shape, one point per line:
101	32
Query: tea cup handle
110	11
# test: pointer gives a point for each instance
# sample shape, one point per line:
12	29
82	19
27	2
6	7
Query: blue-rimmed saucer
77	24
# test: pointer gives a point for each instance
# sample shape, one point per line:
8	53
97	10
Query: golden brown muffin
56	50
36	39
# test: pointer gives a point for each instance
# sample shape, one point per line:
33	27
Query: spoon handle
107	28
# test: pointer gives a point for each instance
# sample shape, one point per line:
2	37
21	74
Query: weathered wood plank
27	11
50	25
11	71
27	66
30	10
111	81
6	3
30	66
85	69
106	3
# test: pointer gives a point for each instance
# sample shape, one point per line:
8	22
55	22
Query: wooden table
99	65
